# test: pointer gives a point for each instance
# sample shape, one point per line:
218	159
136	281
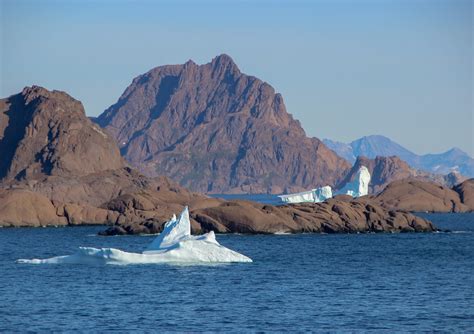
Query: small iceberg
312	196
174	245
357	188
360	186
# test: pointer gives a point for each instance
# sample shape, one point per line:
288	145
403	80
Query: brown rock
25	208
415	195
67	170
47	133
466	193
329	217
88	215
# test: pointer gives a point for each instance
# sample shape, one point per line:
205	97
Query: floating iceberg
313	196
358	187
174	245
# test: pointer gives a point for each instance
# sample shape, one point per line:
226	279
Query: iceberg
312	196
358	187
323	193
174	245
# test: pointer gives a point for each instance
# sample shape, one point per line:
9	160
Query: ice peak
174	231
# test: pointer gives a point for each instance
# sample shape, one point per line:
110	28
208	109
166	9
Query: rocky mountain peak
45	133
224	61
213	128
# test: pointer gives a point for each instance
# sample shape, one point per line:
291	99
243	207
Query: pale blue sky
401	68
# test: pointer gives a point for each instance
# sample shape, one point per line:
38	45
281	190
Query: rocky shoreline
338	215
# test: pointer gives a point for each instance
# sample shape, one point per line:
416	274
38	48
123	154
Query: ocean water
348	283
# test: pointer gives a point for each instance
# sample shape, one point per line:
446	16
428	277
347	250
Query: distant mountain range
454	160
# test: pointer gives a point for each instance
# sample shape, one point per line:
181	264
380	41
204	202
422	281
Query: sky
345	68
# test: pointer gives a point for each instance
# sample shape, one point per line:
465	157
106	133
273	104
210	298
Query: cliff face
46	133
214	129
59	168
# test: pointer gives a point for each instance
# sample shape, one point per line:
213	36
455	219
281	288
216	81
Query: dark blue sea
343	283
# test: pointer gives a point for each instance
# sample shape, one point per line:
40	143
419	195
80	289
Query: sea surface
344	283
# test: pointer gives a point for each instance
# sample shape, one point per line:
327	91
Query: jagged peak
33	92
224	60
30	93
456	150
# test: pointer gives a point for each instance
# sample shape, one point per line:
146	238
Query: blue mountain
453	160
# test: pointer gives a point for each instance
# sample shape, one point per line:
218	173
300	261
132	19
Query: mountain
47	133
214	129
60	168
454	160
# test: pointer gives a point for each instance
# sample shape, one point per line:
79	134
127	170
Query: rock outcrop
59	168
46	133
466	193
214	129
338	215
20	207
422	196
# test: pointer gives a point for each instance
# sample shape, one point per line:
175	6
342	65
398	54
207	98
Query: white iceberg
312	196
174	245
323	193
358	187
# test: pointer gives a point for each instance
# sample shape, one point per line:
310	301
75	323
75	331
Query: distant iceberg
312	196
358	187
174	245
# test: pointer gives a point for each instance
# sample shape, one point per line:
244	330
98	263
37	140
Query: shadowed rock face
214	129
46	133
466	192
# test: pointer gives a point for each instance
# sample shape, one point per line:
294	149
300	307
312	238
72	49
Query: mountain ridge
372	146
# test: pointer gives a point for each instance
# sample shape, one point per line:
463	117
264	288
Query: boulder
415	195
25	208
